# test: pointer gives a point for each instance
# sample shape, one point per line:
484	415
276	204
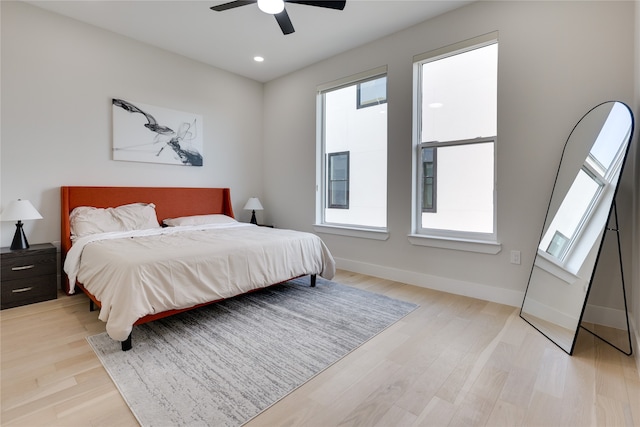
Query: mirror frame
600	243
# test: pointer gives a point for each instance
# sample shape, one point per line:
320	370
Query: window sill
555	269
364	233
456	244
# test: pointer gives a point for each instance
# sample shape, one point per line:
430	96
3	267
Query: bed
180	249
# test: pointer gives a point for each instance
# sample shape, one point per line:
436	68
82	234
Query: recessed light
258	58
436	105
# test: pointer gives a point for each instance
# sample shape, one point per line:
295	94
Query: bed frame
171	202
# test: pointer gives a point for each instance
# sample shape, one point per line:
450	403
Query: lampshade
271	6
19	210
253	204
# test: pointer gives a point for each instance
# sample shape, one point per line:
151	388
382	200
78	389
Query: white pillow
199	220
86	220
137	216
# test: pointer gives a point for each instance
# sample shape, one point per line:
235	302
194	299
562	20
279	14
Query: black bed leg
91	306
312	280
126	344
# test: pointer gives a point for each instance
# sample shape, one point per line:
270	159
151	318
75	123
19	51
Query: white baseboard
444	284
605	316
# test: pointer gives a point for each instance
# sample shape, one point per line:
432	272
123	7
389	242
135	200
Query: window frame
452	239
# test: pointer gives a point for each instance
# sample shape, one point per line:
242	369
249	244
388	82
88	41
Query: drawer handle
17	291
24	267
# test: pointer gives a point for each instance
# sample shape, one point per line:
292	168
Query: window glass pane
338	166
427	197
372	92
603	152
338	194
464	189
459	96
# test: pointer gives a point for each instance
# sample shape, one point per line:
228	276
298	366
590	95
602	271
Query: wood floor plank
506	414
338	379
396	417
437	412
341	410
633	390
543	410
453	361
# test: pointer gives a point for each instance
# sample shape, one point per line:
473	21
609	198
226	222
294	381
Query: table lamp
19	210
253	205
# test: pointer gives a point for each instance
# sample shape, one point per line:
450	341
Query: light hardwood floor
455	361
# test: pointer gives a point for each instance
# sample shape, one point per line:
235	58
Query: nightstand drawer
28	290
28	266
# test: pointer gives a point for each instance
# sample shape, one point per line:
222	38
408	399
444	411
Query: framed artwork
144	133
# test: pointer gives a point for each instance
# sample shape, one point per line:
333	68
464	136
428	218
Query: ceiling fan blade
232	5
338	5
285	23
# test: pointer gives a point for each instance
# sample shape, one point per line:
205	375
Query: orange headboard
170	202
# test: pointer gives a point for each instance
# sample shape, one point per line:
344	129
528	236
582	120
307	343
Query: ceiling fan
276	8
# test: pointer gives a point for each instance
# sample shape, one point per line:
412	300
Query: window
339	180
455	137
372	92
352	154
558	245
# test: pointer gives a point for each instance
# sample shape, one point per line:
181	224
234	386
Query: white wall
556	61
58	79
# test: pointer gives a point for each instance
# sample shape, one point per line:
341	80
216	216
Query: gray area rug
223	364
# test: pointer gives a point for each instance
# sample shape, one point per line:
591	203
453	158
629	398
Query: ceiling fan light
271	7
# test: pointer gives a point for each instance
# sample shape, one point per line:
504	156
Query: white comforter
137	273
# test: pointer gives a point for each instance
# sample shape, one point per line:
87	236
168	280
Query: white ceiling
229	40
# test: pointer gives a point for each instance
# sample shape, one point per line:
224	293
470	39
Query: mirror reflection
577	216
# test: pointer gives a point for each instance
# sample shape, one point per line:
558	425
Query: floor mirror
578	216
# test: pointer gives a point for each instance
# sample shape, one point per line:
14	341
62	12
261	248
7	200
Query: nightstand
28	275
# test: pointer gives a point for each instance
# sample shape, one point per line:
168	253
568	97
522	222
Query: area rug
223	364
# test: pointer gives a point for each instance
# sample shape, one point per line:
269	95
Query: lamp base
19	238
253	218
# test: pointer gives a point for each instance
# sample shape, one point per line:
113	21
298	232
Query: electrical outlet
515	257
